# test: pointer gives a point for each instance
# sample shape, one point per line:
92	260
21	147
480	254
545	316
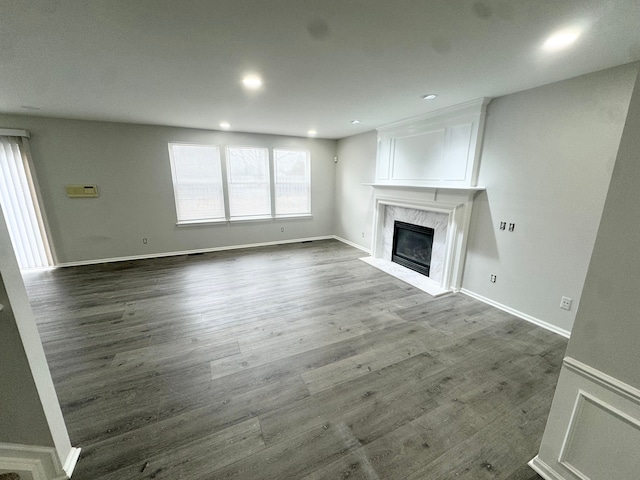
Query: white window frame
264	216
275	183
223	155
174	178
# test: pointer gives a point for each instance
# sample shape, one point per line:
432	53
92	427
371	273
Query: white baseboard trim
355	245
71	461
544	470
522	315
39	463
189	252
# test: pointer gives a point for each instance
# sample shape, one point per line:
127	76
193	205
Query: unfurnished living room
288	239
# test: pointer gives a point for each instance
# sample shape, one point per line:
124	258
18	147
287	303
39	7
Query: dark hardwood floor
288	362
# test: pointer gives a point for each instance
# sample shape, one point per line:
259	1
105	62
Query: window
20	204
249	185
292	182
212	184
197	182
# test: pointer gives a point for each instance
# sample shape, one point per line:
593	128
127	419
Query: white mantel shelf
424	187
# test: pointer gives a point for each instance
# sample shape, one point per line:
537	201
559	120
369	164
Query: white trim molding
39	463
536	321
593	430
455	203
13	132
543	469
352	244
606	381
71	461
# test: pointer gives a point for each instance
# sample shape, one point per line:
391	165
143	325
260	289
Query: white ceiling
323	62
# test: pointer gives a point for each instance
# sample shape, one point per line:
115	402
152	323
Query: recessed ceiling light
252	82
225	125
560	40
312	133
429	96
355	122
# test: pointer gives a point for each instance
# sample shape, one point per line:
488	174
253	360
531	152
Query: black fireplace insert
412	246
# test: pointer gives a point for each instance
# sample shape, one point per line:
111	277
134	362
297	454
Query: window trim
228	220
174	179
291	215
265	216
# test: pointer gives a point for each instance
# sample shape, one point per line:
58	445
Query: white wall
593	430
130	165
546	163
354	201
607	331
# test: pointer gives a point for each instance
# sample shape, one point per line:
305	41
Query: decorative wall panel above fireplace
427	169
438	149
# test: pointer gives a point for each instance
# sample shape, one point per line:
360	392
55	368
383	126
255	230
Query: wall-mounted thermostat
81	191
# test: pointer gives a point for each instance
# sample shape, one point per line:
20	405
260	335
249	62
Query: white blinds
249	185
292	182
197	182
20	211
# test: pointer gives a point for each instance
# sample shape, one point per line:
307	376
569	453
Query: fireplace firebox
412	245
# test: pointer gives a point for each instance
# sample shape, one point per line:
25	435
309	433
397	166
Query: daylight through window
249	185
197	182
292	182
213	184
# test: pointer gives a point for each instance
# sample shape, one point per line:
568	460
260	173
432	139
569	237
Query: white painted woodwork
525	316
593	431
440	148
35	462
455	203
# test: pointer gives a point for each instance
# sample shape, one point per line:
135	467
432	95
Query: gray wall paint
607	330
547	158
22	419
546	162
354	201
130	165
29	409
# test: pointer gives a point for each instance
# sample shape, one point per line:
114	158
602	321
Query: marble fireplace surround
445	209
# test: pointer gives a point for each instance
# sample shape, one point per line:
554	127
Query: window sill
294	216
203	223
198	223
250	219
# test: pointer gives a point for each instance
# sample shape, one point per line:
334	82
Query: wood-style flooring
288	362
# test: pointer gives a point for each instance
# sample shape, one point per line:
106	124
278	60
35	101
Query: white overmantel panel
441	148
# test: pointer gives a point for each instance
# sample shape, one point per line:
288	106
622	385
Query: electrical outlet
565	303
362	234
512	227
493	279
282	229
144	240
503	225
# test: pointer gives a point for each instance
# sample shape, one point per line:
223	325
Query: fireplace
412	246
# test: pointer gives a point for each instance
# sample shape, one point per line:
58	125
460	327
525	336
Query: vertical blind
19	207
